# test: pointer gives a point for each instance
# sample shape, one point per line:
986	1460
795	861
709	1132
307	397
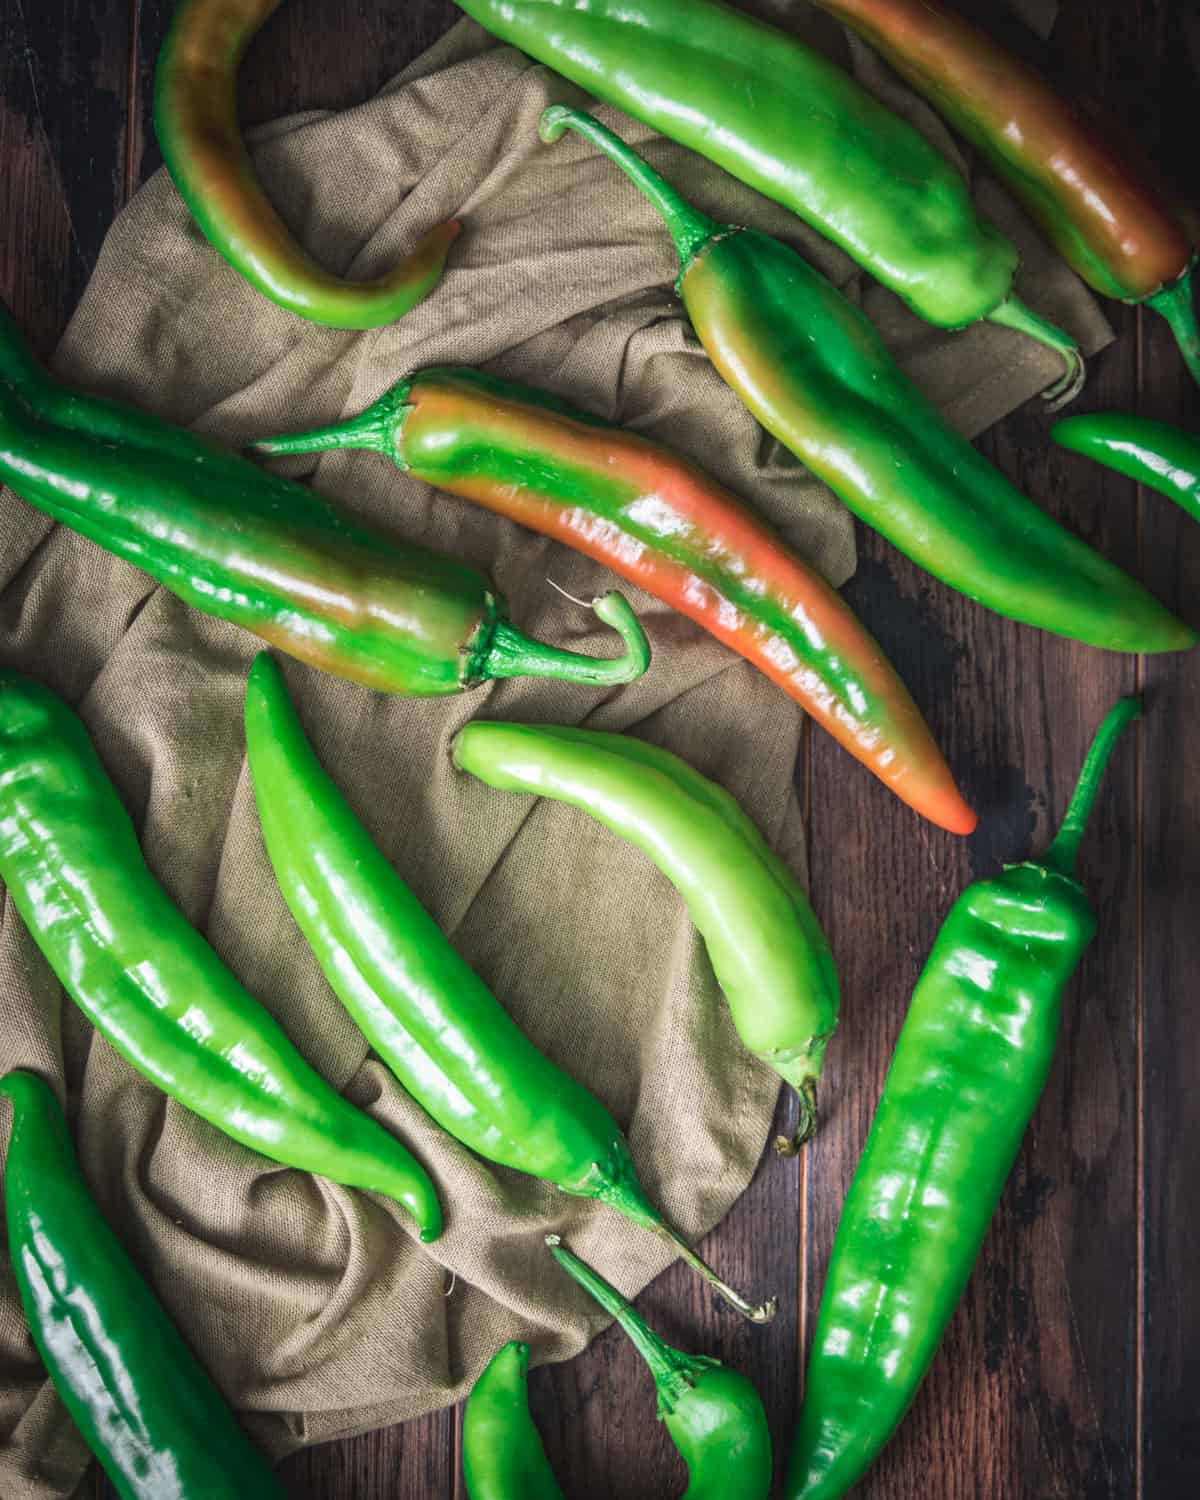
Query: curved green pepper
658	520
145	1405
267	554
195	118
816	374
502	1454
713	1415
785	120
1157	454
765	943
428	1015
970	1064
147	980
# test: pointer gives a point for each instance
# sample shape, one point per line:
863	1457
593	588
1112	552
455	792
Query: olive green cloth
315	1308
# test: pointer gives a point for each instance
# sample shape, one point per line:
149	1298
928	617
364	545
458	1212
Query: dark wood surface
1070	1369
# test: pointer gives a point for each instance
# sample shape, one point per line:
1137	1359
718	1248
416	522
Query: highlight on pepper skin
815	373
195	116
659	521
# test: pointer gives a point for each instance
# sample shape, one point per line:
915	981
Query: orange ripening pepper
658	520
195	118
1100	209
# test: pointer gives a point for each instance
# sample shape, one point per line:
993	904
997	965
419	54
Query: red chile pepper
195	118
1156	454
661	522
1100	211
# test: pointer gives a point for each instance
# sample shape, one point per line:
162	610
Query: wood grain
1070	1369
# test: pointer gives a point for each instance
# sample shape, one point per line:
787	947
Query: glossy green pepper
1097	203
767	948
785	120
814	371
428	1015
1165	457
660	521
265	553
502	1454
713	1415
147	980
195	119
969	1067
144	1403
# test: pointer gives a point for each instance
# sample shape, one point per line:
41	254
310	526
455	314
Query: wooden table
1071	1369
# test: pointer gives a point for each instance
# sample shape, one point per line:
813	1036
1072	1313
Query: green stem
689	228
1062	853
505	651
1012	313
1176	304
654	1350
628	1199
374	429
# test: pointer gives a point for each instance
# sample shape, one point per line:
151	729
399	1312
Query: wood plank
64	83
1171	808
1033	1392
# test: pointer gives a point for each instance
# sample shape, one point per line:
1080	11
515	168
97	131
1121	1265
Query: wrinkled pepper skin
712	1414
814	371
1101	212
969	1067
145	1405
267	554
195	118
502	1454
788	122
425	1012
662	523
1157	454
147	980
766	946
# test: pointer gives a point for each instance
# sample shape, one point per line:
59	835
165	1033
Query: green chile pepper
816	374
970	1064
144	1403
147	980
658	520
1157	454
267	554
788	122
713	1415
433	1021
195	118
503	1457
767	948
1098	204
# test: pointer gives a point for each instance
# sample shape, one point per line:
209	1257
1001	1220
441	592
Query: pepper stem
1175	303
654	1350
628	1199
1062	853
374	429
806	1122
1012	313
507	652
689	228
